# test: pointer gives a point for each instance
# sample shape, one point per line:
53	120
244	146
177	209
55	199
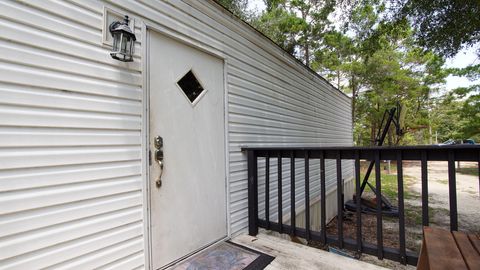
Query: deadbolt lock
158	142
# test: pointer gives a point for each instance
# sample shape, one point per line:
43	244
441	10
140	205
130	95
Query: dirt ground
468	198
468	205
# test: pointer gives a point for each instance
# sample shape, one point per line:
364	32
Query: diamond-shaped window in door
190	86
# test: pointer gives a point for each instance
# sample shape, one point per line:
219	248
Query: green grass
383	165
469	171
389	186
413	214
445	182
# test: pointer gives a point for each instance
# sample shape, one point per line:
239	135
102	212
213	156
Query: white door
188	210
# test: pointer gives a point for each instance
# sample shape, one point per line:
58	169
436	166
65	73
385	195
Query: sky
462	59
256	5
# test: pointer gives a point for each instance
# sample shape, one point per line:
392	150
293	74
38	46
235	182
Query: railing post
378	187
292	193
323	209
425	219
280	199
452	191
252	193
267	190
339	200
401	208
307	195
358	200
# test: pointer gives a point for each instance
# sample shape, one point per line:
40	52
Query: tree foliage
444	26
296	25
237	7
382	52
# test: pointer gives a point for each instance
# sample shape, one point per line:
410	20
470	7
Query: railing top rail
431	152
362	148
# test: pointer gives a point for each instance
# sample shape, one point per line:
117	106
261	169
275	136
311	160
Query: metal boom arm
379	142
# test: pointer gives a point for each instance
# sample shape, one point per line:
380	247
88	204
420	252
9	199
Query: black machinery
394	115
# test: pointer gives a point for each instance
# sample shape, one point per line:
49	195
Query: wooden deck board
469	253
443	250
475	240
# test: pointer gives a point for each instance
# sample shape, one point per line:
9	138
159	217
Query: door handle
158	143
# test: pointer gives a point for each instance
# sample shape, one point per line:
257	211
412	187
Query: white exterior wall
71	159
70	136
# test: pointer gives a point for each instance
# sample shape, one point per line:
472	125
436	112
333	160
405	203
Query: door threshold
226	255
193	253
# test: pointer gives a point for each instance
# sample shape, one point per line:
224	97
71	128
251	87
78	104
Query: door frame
204	47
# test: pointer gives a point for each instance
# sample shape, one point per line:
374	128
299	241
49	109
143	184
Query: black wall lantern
123	41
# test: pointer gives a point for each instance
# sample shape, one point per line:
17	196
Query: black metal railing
372	154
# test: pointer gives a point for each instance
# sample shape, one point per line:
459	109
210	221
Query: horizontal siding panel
71	249
279	131
292	89
85	12
241	114
14	246
94	6
248	119
52	215
134	261
104	255
240	218
236	156
280	138
33	137
12	158
33	17
15	201
239	211
25	35
32	177
239	166
31	56
40	117
242	81
46	98
68	11
13	73
238	112
269	104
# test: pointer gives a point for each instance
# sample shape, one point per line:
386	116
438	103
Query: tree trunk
305	35
354	97
390	137
338	79
307	52
372	133
430	136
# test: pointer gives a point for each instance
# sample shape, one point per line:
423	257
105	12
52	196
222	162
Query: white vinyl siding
71	183
70	142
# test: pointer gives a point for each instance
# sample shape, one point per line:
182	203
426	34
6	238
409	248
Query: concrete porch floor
290	255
